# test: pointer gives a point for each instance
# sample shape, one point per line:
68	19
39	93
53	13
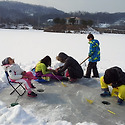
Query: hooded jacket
14	71
74	68
114	75
41	67
94	51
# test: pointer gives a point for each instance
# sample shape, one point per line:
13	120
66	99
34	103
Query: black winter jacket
74	68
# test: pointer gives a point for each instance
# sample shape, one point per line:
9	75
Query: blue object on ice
41	80
120	101
105	94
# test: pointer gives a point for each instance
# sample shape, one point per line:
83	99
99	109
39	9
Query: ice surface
59	105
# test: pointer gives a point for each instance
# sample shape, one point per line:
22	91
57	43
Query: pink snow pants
27	81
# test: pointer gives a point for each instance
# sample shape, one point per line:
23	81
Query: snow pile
14	115
17	116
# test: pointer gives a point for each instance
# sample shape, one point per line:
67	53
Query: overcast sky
81	5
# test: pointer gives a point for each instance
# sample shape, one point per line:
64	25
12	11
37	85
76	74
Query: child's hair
46	60
90	36
62	57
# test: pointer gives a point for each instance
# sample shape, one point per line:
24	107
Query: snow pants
53	76
40	74
74	74
92	66
27	81
121	88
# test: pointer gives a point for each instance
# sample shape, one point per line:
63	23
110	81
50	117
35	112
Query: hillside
21	12
101	17
27	9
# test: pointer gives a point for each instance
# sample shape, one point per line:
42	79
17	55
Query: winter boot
32	86
95	76
105	94
120	101
86	76
32	94
65	79
72	80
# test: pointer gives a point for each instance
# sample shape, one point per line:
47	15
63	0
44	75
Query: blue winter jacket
94	51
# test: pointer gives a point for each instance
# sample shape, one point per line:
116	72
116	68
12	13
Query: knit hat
5	61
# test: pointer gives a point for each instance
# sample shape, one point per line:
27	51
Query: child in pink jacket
16	74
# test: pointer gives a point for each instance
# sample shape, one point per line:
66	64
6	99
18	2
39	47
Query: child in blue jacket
94	57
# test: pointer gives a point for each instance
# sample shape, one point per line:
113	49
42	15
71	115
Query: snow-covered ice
27	47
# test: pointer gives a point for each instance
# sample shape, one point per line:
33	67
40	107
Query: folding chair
15	88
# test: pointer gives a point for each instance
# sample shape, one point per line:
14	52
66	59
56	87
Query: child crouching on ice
73	69
16	74
114	77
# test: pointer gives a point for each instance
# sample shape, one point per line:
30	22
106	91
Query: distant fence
115	31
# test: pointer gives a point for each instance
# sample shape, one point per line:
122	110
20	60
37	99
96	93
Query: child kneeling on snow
74	70
42	70
114	77
16	74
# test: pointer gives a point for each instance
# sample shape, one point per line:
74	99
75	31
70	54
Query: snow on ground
29	46
17	116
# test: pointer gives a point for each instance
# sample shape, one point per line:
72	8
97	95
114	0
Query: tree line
72	21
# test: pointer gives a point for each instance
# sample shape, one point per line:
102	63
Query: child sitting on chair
16	74
114	77
42	70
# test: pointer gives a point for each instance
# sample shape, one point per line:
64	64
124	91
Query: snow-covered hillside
28	47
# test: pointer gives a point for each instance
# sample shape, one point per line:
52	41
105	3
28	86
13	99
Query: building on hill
73	20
